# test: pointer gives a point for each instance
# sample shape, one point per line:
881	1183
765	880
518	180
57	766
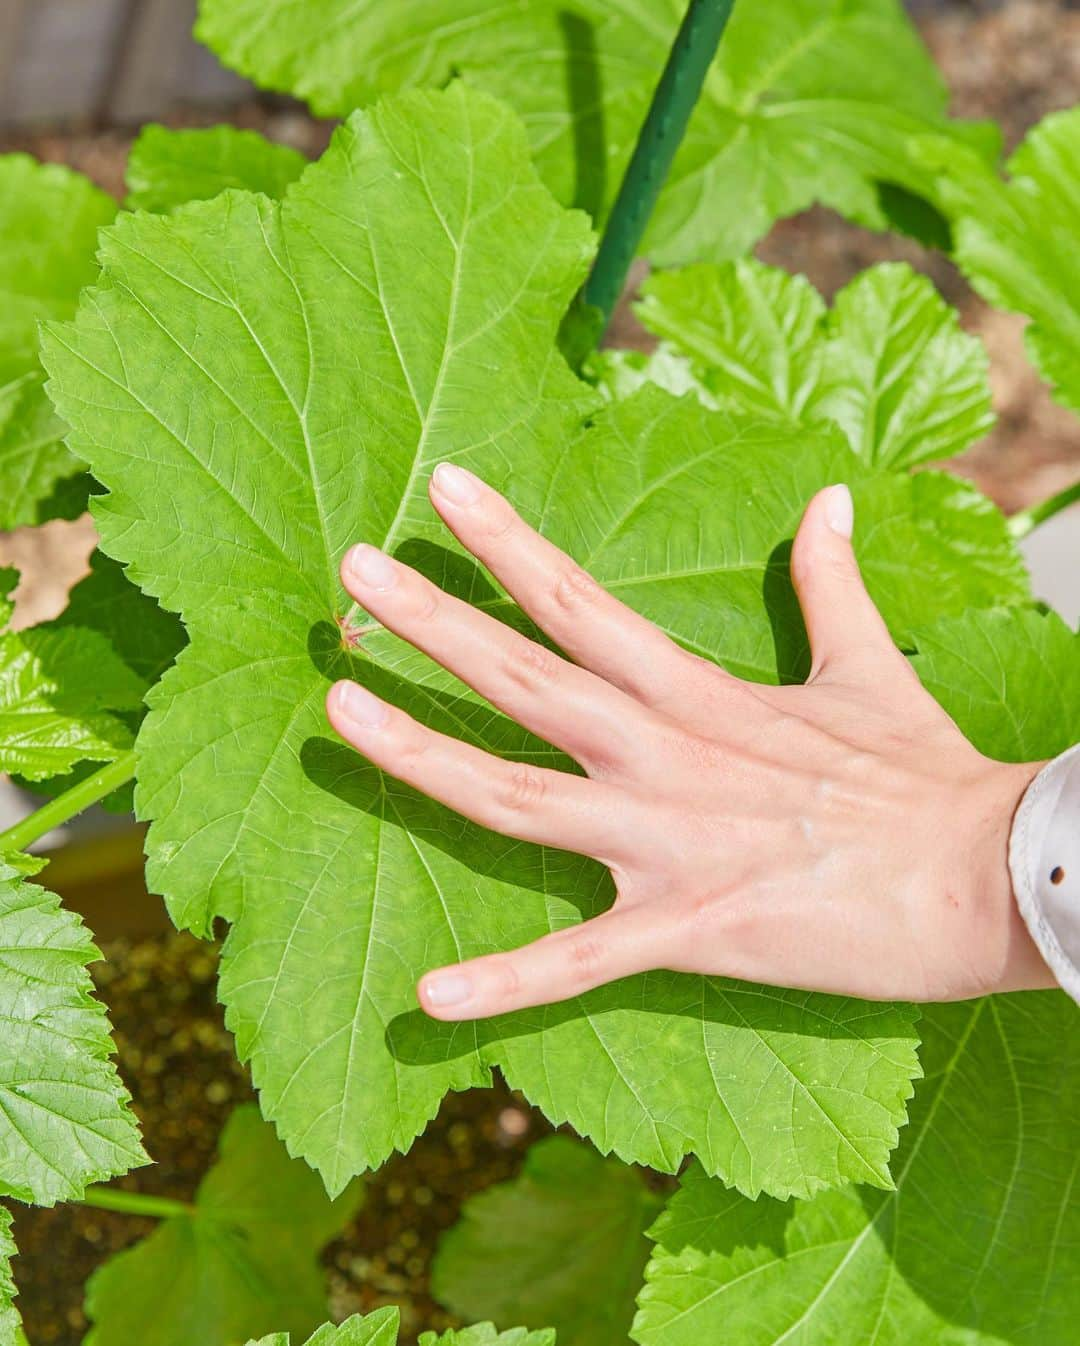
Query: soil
1013	62
177	1058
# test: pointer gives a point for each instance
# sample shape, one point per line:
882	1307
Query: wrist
1014	962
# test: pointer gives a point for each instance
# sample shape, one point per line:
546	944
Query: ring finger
551	808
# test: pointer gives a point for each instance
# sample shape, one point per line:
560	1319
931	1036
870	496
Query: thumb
842	622
558	966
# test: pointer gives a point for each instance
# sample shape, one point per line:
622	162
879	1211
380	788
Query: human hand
839	836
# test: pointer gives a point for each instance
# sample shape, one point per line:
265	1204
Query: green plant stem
65	806
1025	520
134	1203
676	95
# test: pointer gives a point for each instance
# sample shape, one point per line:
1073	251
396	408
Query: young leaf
815	102
1016	242
64	1118
381	1329
563	1243
49	218
245	1259
974	1243
59	687
484	1334
889	364
168	168
292	374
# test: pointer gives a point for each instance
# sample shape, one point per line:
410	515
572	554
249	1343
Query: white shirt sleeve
1044	860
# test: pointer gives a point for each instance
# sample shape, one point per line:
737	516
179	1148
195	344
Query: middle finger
563	704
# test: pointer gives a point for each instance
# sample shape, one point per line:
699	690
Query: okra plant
257	361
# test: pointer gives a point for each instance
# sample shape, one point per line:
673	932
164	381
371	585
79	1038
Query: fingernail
840	510
371	567
358	705
457	484
452	988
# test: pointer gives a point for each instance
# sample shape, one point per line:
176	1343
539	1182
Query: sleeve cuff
1044	861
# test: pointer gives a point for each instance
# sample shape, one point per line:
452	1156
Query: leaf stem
660	136
135	1203
65	806
1025	521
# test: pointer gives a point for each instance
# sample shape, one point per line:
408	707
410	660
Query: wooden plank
64	52
12	13
160	59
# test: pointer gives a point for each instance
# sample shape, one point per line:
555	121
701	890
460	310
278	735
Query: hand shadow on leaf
785	617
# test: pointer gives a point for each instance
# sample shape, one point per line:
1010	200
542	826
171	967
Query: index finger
591	625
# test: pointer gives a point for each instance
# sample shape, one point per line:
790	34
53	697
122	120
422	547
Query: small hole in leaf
1057	874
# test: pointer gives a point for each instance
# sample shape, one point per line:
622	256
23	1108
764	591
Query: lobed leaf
244	1259
889	363
167	168
64	1118
977	1241
563	1243
49	218
1016	241
258	386
815	102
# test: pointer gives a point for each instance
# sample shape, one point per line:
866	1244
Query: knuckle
426	602
507	979
501	520
574	588
410	750
586	957
841	569
521	789
528	663
833	566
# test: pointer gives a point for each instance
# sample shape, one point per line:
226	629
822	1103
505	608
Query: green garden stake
661	134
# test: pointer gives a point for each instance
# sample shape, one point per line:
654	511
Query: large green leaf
888	363
381	1329
168	168
60	685
563	1243
243	1260
49	218
259	386
64	1118
811	100
977	1243
1016	242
